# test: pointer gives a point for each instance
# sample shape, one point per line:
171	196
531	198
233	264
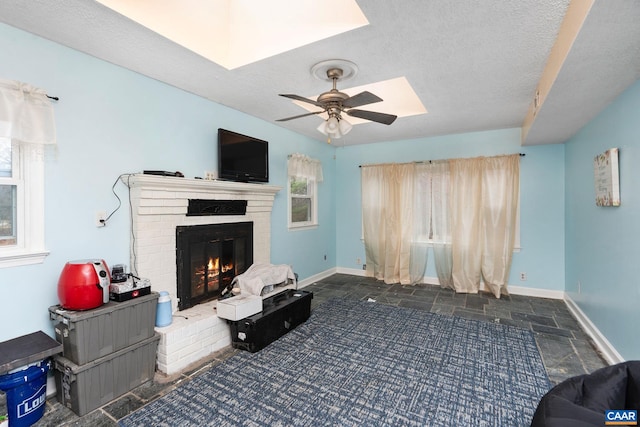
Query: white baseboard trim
316	277
608	350
352	271
536	292
514	290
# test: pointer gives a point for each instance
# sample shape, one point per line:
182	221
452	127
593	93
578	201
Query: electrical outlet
210	176
523	276
101	217
358	261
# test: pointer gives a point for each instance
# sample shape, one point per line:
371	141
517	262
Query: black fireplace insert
208	257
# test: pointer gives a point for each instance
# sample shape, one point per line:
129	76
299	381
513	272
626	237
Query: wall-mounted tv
242	158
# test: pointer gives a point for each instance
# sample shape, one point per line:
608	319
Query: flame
227	267
213	264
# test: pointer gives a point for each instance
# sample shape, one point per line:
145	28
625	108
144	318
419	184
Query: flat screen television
242	158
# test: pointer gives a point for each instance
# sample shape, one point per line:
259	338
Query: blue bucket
26	393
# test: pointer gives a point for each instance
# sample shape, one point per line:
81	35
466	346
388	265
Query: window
302	202
26	126
21	204
8	199
465	209
304	174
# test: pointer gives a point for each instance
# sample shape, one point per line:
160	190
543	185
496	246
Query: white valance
305	167
26	114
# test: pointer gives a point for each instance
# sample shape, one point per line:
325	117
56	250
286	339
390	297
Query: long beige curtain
466	209
500	195
387	205
484	203
466	213
439	172
421	222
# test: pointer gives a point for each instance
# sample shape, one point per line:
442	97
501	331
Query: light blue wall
541	197
112	121
603	243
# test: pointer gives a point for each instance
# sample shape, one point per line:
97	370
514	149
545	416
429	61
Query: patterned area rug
356	363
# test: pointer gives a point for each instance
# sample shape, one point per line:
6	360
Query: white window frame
28	177
312	187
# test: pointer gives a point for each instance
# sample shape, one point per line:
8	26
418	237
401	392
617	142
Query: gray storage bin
83	388
89	335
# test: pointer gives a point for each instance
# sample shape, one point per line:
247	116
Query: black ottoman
582	400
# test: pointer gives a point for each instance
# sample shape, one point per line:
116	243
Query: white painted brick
175	202
207	325
168	210
176	339
157	212
188	350
207	342
222	344
222	334
173	357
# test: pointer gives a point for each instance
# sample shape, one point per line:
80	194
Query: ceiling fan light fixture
332	125
335	127
344	126
323	128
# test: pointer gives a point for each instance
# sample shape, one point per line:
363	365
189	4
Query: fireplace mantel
169	183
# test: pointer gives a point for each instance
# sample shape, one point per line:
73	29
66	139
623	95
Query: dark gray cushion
581	401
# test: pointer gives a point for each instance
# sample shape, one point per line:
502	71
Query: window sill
17	259
302	227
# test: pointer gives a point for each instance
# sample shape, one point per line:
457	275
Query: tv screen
242	158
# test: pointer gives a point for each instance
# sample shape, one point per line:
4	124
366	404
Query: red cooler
84	284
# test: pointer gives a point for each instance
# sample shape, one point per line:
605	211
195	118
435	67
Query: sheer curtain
466	210
441	221
26	114
387	205
421	222
484	204
500	195
305	167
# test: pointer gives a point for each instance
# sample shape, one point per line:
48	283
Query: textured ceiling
474	65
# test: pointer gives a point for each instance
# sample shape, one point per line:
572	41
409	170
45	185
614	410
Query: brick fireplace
159	207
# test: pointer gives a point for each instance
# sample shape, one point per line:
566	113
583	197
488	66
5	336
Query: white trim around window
29	181
302	205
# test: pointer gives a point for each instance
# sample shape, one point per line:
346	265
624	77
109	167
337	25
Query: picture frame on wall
607	178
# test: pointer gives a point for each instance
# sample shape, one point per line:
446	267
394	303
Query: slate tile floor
565	348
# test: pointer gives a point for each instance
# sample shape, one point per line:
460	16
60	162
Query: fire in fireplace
208	257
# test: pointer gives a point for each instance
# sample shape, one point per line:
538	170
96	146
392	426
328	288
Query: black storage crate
280	314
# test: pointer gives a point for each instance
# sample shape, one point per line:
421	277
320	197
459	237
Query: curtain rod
429	161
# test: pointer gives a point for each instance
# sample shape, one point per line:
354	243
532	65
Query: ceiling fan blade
302	98
301	115
363	98
374	116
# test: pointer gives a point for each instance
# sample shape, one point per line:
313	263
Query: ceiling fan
335	103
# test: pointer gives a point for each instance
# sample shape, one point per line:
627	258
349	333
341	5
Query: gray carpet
356	363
